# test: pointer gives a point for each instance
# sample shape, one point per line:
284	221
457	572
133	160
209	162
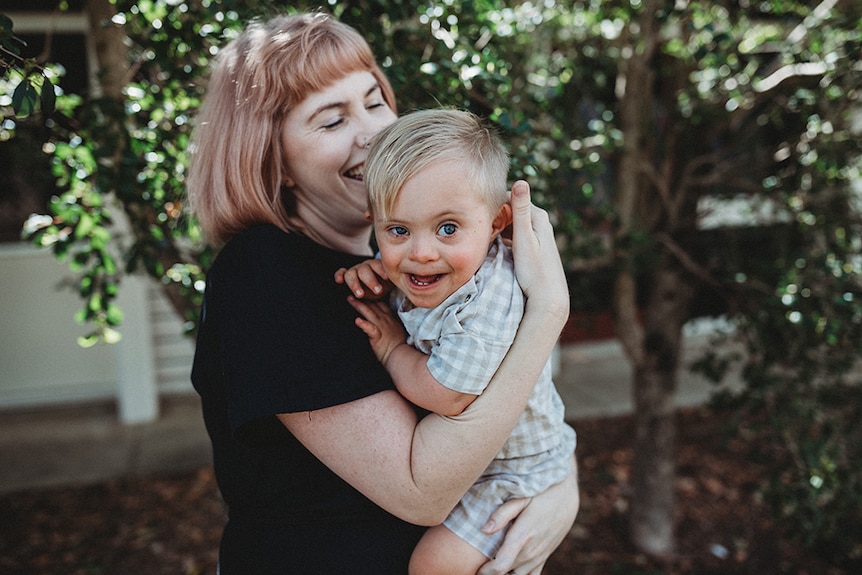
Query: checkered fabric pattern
503	480
466	339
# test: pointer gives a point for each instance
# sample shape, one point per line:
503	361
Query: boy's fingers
353	282
372	311
359	306
377	265
370	279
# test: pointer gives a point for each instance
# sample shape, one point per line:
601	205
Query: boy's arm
407	366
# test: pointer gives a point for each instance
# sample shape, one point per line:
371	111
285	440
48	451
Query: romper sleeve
477	331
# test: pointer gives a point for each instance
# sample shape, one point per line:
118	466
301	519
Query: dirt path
171	525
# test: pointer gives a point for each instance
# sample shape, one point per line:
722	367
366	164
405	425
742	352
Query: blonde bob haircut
419	139
237	161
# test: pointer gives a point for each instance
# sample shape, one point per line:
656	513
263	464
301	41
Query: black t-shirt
277	336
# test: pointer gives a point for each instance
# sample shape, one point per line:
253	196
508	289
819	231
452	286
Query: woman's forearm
449	453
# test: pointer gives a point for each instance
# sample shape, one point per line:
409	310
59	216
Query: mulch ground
171	525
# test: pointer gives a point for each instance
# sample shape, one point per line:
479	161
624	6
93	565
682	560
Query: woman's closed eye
336	121
333	123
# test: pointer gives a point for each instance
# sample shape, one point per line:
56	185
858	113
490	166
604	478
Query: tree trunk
110	48
112	76
653	349
655	383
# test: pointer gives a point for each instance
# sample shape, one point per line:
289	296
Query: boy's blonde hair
419	139
237	166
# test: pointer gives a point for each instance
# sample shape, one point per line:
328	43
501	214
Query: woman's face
324	140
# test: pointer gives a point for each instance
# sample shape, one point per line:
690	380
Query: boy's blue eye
448	229
398	231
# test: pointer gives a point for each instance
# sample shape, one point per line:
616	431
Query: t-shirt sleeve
289	342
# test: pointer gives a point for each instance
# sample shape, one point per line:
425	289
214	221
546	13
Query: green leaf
24	98
85	286
95	303
114	315
111	335
88	340
85	226
48	97
5	28
8	40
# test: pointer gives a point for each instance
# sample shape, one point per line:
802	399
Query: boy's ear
503	219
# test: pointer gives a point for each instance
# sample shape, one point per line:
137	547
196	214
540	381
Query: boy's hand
367	280
383	328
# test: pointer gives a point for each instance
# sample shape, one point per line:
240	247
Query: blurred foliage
754	125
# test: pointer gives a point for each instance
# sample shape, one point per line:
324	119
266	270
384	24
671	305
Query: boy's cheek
390	263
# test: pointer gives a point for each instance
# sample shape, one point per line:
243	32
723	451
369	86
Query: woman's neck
356	240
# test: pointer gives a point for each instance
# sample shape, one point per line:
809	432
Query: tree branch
686	260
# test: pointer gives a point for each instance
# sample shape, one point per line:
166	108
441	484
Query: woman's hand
541	524
537	259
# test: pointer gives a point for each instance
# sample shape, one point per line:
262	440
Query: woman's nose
369	124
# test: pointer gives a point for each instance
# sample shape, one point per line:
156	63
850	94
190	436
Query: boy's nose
423	250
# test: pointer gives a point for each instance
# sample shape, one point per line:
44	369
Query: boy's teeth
423	280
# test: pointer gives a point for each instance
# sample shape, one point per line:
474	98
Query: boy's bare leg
441	552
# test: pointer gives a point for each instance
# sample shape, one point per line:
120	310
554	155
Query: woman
323	466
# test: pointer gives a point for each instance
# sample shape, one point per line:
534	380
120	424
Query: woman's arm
418	470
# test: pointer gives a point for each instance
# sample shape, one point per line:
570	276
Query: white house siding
41	363
173	349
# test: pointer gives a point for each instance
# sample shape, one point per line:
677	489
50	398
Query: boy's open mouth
424	281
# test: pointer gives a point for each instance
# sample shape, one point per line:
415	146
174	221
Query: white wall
41	363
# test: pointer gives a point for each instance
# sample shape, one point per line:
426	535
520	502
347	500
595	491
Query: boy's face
437	234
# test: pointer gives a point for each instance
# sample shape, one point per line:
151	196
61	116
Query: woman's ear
503	219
